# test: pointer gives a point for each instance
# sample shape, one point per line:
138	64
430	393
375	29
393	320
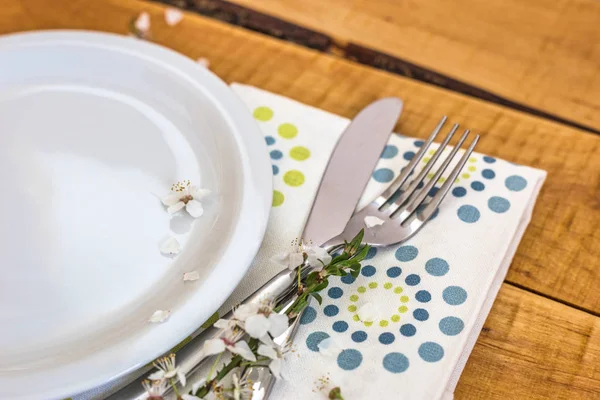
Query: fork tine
437	199
422	194
412	187
401	179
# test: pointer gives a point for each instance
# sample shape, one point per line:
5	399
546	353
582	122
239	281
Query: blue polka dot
313	340
390	151
478	186
488	174
412	280
340	326
468	214
422	207
459	191
331	310
383	175
368	270
515	183
423	296
335	292
395	362
310	314
359	336
394	272
451	326
371	253
433	191
420	185
437	267
431	352
489	160
408	330
386	338
348	279
270	140
349	359
498	204
406	253
275	169
408	155
421	314
276	154
419	143
454	295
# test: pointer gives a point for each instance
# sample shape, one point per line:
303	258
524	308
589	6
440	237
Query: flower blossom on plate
160	315
242	388
303	253
191	276
173	16
170	246
276	354
219	345
258	320
142	22
371	221
167	370
203	62
368	312
155	389
184	194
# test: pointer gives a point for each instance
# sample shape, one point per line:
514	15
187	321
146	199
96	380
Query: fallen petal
173	16
142	22
171	246
371	221
203	61
367	313
191	276
329	347
194	208
175	207
160	315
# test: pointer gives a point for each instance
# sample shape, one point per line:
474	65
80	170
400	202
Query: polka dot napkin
431	295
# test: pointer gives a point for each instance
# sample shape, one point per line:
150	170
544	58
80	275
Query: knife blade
346	175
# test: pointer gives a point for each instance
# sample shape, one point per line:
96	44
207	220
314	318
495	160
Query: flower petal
245	310
243	350
175	207
224	324
181	377
257	326
275	367
171	199
295	260
279	324
367	312
198	385
190	397
212	347
321	254
157	375
160	316
371	221
267	351
170	246
142	22
191	276
194	207
281	259
329	347
204	62
173	16
266	340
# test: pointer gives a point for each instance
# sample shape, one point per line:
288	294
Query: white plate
93	129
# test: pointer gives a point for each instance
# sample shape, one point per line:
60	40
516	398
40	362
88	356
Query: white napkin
428	298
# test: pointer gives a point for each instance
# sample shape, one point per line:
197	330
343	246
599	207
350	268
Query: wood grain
529	340
539	53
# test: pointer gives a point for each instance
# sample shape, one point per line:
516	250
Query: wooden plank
533	348
541	53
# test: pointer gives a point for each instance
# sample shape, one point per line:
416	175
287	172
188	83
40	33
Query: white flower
329	347
314	255
228	324
276	354
183	194
170	246
216	346
371	221
160	315
367	312
203	62
242	388
191	276
173	16
244	311
155	389
142	22
167	370
258	320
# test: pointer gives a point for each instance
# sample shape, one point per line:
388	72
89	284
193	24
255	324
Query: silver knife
344	180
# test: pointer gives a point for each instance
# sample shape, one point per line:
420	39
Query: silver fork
404	207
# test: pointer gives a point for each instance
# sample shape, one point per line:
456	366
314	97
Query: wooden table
542	337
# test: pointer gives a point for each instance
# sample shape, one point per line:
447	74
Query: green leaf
317	297
320	286
362	253
355	273
343	273
341	257
311	278
355	266
355	243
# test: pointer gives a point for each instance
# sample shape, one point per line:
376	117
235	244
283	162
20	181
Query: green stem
234	363
174	386
212	369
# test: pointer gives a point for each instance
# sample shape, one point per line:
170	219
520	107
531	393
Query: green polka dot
287	131
431	152
368	323
472	168
354	298
352	308
404	299
442	180
263	113
387	285
466	176
425	159
395	317
373	285
429	176
402	309
472	159
277	198
294	178
299	153
383	323
361	289
356	317
398	290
